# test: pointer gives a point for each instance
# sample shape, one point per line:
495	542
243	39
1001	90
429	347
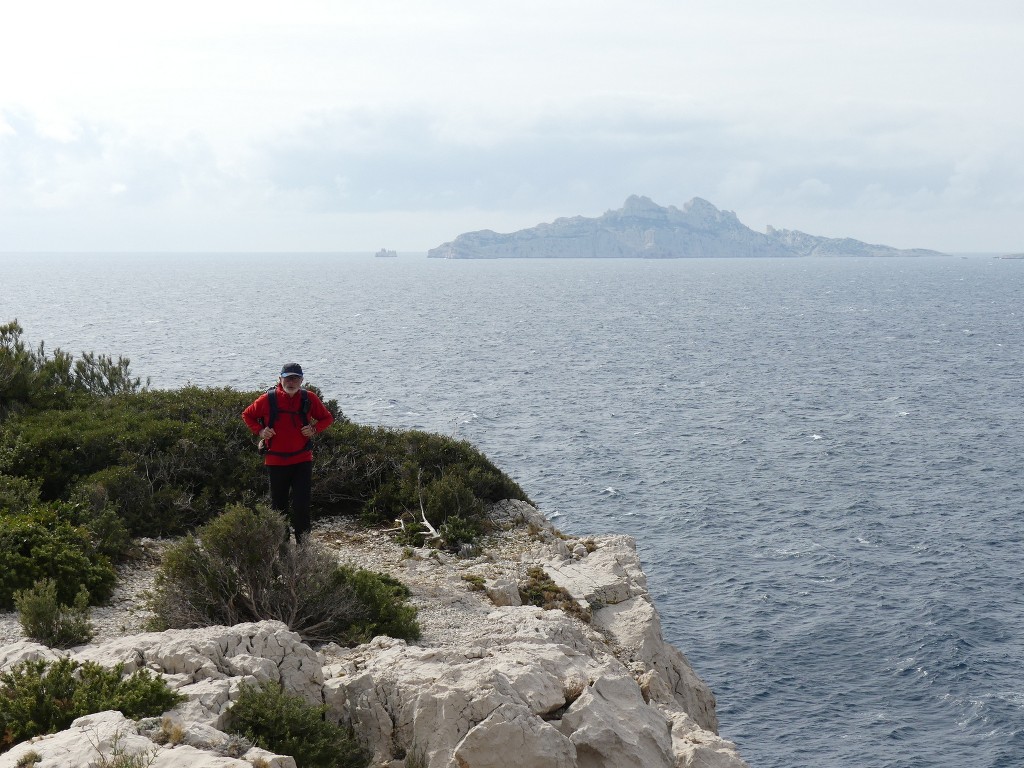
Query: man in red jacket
286	433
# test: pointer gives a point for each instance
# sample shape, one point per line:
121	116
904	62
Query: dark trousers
294	481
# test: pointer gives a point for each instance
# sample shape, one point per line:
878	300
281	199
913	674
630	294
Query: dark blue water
821	460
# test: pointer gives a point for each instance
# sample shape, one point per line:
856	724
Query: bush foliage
287	725
38	697
90	458
40	544
165	462
239	567
46	620
36	379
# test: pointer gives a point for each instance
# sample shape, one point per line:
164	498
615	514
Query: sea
820	460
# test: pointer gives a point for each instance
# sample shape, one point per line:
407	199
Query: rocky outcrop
802	244
644	229
492	683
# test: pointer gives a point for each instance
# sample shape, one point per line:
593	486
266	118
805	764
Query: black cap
291	369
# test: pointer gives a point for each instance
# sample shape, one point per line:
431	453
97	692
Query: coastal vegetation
240	567
92	458
40	696
275	720
46	620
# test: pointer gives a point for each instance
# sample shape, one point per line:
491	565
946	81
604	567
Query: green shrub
165	461
38	697
18	494
287	725
168	461
450	496
123	491
385	611
540	590
47	621
382	473
36	379
239	567
40	545
457	531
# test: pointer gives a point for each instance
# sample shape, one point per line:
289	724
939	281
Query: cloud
315	124
318	181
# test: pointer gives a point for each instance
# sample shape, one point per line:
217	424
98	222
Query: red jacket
287	426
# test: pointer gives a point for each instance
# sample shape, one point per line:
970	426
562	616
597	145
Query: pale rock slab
25	650
105	735
510	736
607	576
696	747
636	629
503	592
209	665
431	700
613	727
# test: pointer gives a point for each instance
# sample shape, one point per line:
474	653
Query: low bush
380	474
282	723
49	622
167	461
40	544
37	379
38	697
539	589
18	494
458	530
384	608
240	567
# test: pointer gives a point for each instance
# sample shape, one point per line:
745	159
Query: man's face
291	384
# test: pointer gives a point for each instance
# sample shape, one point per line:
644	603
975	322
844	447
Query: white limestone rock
106	735
256	651
695	747
509	736
502	685
606	576
563	704
612	726
503	592
512	512
432	699
208	665
636	629
25	650
610	581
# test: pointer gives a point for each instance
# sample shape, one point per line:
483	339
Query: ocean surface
820	459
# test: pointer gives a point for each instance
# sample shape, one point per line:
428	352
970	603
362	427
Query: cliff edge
492	682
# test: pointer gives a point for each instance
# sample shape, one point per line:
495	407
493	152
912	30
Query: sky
329	125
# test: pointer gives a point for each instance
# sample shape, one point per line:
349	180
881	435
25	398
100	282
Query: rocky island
644	229
491	683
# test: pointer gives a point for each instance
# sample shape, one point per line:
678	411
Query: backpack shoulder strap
304	408
272	402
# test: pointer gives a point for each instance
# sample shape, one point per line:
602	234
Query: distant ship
384	253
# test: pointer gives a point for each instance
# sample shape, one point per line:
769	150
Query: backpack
264	447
